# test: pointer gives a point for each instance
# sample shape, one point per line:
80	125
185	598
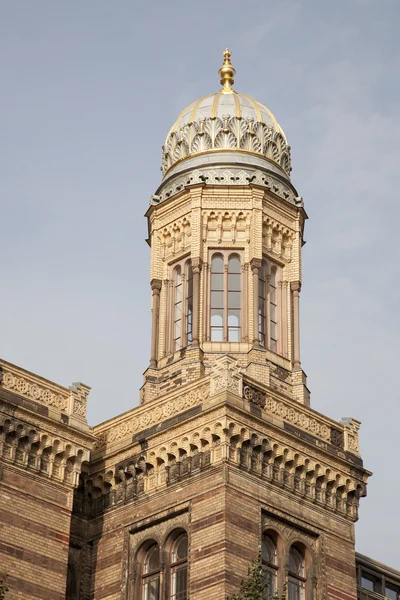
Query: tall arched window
178	302
189	303
225	301
151	574
182	306
297	574
234	298
217	298
273	311
269	560
179	568
262	300
268	306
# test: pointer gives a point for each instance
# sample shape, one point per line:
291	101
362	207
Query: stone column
155	288
255	267
196	268
295	287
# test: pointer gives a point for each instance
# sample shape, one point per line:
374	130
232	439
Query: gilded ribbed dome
226	122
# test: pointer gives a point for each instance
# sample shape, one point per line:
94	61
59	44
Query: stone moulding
150	414
70	401
235	133
343	435
229	176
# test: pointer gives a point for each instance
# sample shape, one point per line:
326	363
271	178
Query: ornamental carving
175	237
229	176
228	133
152	416
31	390
225	375
254	396
226	226
38	450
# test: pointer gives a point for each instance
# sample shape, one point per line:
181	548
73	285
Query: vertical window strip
273	311
296	576
189	304
262	299
234	298
270	567
178	309
217	304
179	570
151	574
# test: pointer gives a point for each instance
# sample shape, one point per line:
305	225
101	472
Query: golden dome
226	122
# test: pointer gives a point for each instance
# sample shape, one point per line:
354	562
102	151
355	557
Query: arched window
179	569
234	298
151	574
182	305
225	301
217	298
269	560
268	310
297	574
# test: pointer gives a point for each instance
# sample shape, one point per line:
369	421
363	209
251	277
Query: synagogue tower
224	455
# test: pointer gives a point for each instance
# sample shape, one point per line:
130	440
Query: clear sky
88	93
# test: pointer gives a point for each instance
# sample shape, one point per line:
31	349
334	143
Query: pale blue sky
89	91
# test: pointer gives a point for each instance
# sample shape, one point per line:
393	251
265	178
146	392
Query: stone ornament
231	176
71	401
225	375
226	133
152	415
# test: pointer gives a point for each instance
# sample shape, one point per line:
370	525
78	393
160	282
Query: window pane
295	562
391	591
217	299
152	560
295	589
179	583
234	264
217	281
272	295
233	299
268	551
234	318
217	334
273	346
151	589
182	548
233	334
217	318
273	312
270	581
234	282
217	264
369	582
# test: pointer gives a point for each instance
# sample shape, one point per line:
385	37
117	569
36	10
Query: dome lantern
227	131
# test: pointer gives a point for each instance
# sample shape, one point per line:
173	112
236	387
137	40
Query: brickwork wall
34	536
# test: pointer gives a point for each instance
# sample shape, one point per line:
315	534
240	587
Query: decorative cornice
230	176
70	401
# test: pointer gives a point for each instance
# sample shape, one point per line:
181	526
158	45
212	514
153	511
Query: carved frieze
228	133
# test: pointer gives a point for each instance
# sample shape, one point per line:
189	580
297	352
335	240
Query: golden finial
227	72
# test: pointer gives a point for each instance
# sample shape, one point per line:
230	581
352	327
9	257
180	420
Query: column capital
156	285
295	286
255	263
197	264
